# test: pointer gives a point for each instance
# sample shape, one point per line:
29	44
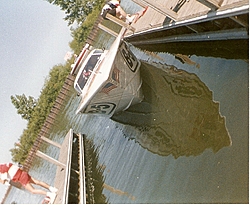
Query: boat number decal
101	108
129	58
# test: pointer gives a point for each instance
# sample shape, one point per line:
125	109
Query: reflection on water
185	59
94	174
177	116
118	192
95	179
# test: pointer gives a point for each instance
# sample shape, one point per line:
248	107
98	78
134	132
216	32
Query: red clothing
5	167
20	176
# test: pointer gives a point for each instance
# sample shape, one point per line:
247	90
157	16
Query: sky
33	38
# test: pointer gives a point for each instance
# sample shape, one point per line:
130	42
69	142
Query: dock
193	27
217	27
70	178
78	176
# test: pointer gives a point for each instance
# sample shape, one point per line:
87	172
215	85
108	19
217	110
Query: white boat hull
115	83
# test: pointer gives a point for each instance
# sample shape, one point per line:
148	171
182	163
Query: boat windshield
86	72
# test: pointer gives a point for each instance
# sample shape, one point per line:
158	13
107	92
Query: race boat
108	81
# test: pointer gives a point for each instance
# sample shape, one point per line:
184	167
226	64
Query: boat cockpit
87	69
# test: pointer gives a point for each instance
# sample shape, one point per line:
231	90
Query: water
132	147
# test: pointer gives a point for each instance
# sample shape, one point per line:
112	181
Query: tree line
82	14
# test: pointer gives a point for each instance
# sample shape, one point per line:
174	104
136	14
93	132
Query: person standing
12	172
113	7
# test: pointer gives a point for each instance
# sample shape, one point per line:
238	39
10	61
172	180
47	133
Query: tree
24	105
38	110
75	10
81	33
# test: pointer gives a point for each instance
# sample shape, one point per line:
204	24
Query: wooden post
51	142
212	4
159	8
240	21
111	32
120	22
50	159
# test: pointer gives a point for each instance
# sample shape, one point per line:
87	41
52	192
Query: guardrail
82	174
68	168
75	187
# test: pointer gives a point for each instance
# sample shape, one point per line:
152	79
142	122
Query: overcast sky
33	38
